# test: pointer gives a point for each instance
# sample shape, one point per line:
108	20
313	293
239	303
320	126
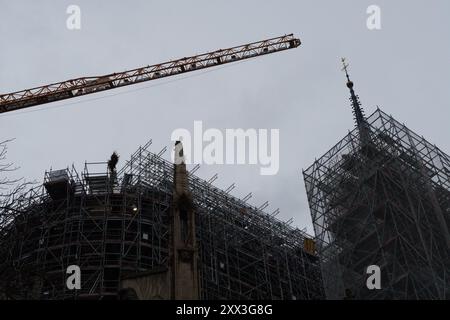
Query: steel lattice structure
114	224
88	85
381	196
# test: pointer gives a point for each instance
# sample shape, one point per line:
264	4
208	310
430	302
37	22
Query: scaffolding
115	224
381	196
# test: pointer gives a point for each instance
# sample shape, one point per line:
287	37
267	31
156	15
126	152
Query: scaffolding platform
382	199
117	224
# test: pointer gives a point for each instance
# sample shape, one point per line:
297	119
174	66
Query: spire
358	111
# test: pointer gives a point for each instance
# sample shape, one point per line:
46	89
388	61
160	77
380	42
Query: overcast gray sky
404	68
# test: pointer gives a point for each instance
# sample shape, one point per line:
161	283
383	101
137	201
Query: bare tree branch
11	191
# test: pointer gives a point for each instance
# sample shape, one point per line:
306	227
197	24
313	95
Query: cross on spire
345	67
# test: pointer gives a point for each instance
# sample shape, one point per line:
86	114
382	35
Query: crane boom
88	85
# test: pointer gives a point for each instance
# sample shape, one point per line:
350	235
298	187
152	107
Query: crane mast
89	85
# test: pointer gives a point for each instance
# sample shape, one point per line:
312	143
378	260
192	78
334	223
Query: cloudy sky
403	68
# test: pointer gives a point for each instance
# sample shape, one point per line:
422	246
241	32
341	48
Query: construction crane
88	85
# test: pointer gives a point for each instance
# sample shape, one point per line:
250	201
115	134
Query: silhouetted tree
10	191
